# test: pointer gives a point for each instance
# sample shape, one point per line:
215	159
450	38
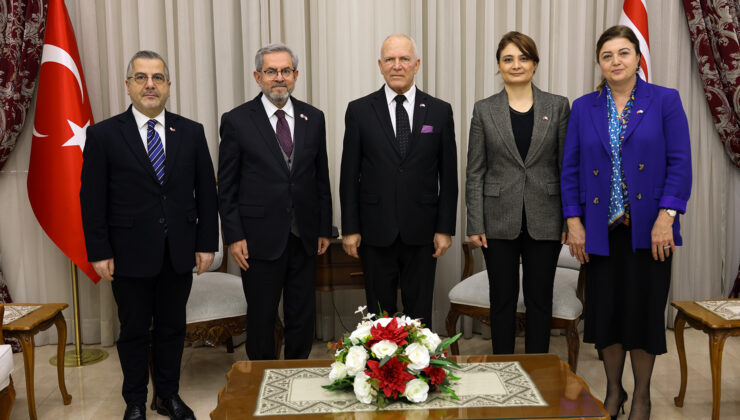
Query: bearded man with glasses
150	214
275	203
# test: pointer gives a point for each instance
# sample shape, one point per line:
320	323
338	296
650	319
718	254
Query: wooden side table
24	328
718	330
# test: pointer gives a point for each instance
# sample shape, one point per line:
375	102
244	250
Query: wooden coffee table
24	328
718	330
567	396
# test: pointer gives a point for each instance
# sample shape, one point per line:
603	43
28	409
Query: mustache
285	85
151	92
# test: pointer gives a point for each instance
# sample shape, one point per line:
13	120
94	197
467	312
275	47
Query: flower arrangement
388	358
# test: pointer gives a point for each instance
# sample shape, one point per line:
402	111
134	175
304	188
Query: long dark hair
616	31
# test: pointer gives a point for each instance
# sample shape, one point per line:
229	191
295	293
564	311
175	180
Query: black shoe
135	412
174	408
622	400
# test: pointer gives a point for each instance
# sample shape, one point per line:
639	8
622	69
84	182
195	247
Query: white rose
338	371
356	359
430	340
384	348
416	390
418	356
363	390
362	332
383	322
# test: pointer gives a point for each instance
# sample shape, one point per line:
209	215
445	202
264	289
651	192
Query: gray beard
277	100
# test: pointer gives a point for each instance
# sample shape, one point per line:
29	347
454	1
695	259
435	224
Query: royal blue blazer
656	159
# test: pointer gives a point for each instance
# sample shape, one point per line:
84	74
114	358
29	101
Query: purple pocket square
427	129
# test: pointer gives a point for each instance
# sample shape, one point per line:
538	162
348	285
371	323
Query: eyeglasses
141	78
272	73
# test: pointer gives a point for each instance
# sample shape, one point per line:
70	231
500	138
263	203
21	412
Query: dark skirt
626	295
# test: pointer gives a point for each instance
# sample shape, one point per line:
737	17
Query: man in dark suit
150	214
275	202
398	185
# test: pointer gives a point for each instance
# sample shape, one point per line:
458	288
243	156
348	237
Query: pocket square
427	129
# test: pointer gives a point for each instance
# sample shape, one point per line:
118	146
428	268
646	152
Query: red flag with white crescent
634	15
63	114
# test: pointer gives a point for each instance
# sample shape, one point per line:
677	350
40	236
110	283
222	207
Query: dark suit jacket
499	183
383	195
125	209
257	190
656	160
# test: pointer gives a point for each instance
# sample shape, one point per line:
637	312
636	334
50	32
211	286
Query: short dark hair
150	55
525	44
617	31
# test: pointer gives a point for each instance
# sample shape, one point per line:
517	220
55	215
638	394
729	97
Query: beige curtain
210	45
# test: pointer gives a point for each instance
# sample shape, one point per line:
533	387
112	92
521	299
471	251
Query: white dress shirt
142	123
270	109
408	104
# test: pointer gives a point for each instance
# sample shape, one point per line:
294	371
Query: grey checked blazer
499	183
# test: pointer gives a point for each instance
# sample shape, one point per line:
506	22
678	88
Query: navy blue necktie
156	149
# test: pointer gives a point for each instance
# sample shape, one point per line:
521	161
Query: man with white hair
398	185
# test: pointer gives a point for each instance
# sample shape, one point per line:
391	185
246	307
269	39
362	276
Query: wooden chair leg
7	397
574	344
451	324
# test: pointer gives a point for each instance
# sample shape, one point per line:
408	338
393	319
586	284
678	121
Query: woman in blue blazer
626	175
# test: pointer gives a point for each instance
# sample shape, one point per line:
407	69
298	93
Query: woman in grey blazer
513	193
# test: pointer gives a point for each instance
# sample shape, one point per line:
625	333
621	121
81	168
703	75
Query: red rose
435	374
391	332
392	376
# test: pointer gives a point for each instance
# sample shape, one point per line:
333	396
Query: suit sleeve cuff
572	211
668	202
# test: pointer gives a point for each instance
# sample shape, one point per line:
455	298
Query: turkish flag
62	115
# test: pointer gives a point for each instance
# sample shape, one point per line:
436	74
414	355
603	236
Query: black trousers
414	264
293	275
145	302
539	261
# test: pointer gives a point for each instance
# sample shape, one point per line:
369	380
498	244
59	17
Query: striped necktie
155	149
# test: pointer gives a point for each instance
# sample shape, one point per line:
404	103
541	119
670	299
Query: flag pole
79	357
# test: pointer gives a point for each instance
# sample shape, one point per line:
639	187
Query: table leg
679	325
716	344
61	344
28	365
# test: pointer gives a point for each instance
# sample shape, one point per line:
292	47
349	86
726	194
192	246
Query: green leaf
383	360
446	343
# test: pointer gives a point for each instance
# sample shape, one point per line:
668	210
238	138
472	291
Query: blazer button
596	200
400	170
161	220
639	196
596	172
164	197
640	166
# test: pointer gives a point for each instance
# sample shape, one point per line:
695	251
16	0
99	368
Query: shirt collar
270	108
142	120
410	94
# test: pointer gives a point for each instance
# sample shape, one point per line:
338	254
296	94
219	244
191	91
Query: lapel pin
422	105
172	129
639	111
304	117
544	118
